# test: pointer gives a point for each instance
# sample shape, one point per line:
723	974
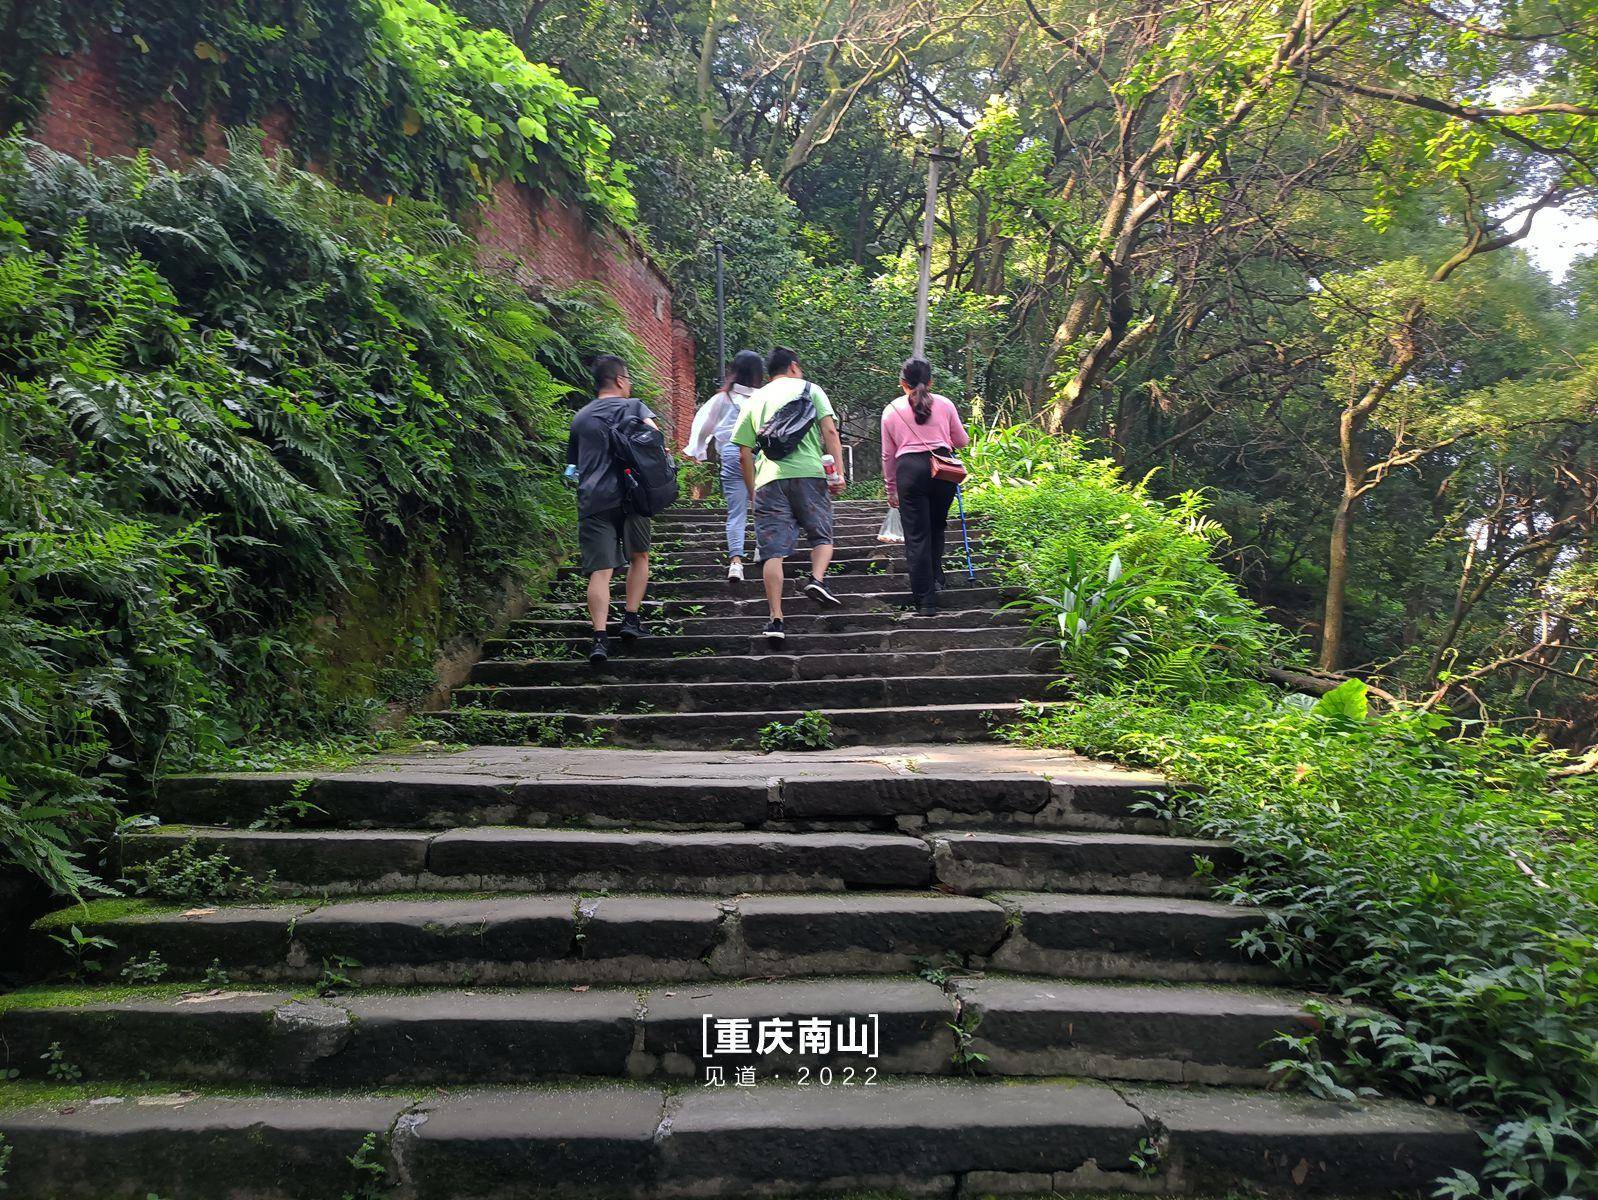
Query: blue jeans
732	487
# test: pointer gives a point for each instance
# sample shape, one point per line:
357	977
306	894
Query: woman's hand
893	502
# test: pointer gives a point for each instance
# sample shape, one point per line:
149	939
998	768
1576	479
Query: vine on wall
396	97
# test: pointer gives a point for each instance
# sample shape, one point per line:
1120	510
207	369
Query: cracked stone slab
1144	864
455	1036
862	932
861	1136
504	1143
1137	937
201	1147
1188	1034
1309	1145
677	861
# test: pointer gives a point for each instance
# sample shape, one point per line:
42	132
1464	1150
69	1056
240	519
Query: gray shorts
608	539
785	506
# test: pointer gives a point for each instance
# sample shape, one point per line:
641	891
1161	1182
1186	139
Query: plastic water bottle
830	466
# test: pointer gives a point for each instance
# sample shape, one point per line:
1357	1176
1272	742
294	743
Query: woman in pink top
912	427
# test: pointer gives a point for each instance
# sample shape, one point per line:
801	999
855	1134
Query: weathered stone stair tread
491	858
805	621
606	1139
675	589
572	637
725	603
505	939
772	667
368	1038
498	858
740	729
718	695
605	788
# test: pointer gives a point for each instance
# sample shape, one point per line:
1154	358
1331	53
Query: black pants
924	509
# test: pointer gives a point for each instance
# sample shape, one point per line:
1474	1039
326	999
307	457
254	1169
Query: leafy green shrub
260	438
811	731
1447	879
396	96
1128	586
1452	881
185	874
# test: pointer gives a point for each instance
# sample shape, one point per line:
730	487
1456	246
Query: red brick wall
536	235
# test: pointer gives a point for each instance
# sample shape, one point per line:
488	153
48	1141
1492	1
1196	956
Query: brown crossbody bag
945	463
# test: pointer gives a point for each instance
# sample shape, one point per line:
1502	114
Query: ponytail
917	376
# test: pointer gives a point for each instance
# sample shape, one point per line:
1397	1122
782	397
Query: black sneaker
773	630
818	592
599	653
632	626
927	606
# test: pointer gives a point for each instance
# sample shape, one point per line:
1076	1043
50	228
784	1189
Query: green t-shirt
762	405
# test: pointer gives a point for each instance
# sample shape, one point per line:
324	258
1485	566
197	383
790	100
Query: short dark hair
780	359
608	370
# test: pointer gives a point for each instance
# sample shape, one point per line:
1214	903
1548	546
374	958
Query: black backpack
781	434
646	469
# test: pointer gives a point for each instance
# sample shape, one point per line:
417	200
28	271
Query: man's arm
833	446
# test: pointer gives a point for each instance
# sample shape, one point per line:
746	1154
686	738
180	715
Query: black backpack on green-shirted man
786	428
647	470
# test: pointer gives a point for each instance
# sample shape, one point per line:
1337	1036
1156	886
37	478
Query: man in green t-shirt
791	493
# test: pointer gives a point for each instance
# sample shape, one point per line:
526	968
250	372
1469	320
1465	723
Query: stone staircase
511	970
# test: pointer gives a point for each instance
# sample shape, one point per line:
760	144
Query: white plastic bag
892	530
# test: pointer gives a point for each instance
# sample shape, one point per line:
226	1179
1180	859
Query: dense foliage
396	96
263	446
1274	250
1446	875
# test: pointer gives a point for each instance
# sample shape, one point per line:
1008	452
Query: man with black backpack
624	477
780	437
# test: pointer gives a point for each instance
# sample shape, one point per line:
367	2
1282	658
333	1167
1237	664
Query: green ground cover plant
265	444
1442	871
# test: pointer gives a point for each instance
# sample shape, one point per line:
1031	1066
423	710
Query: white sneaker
735	573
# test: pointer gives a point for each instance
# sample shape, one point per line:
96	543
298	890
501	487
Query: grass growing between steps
1449	878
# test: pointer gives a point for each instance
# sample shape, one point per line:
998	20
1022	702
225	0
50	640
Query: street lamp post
935	159
721	319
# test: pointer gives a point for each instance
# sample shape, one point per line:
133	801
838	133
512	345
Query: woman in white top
714	422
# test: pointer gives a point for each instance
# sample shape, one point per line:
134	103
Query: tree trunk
1336	582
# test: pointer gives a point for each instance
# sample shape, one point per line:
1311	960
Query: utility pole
935	159
721	320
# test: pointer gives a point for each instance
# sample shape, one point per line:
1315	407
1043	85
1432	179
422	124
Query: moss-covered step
597	939
495	858
615	1140
366	1038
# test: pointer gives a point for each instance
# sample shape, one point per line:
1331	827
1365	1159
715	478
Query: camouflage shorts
785	506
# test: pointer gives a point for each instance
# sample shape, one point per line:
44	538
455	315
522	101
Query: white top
715	421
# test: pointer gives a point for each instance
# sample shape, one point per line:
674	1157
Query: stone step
602	1139
712	585
601	789
572	639
497	859
808	620
847	548
719	601
480	941
1022	1027
736	730
803	694
767	666
710	561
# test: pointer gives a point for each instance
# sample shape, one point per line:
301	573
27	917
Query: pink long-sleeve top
901	434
